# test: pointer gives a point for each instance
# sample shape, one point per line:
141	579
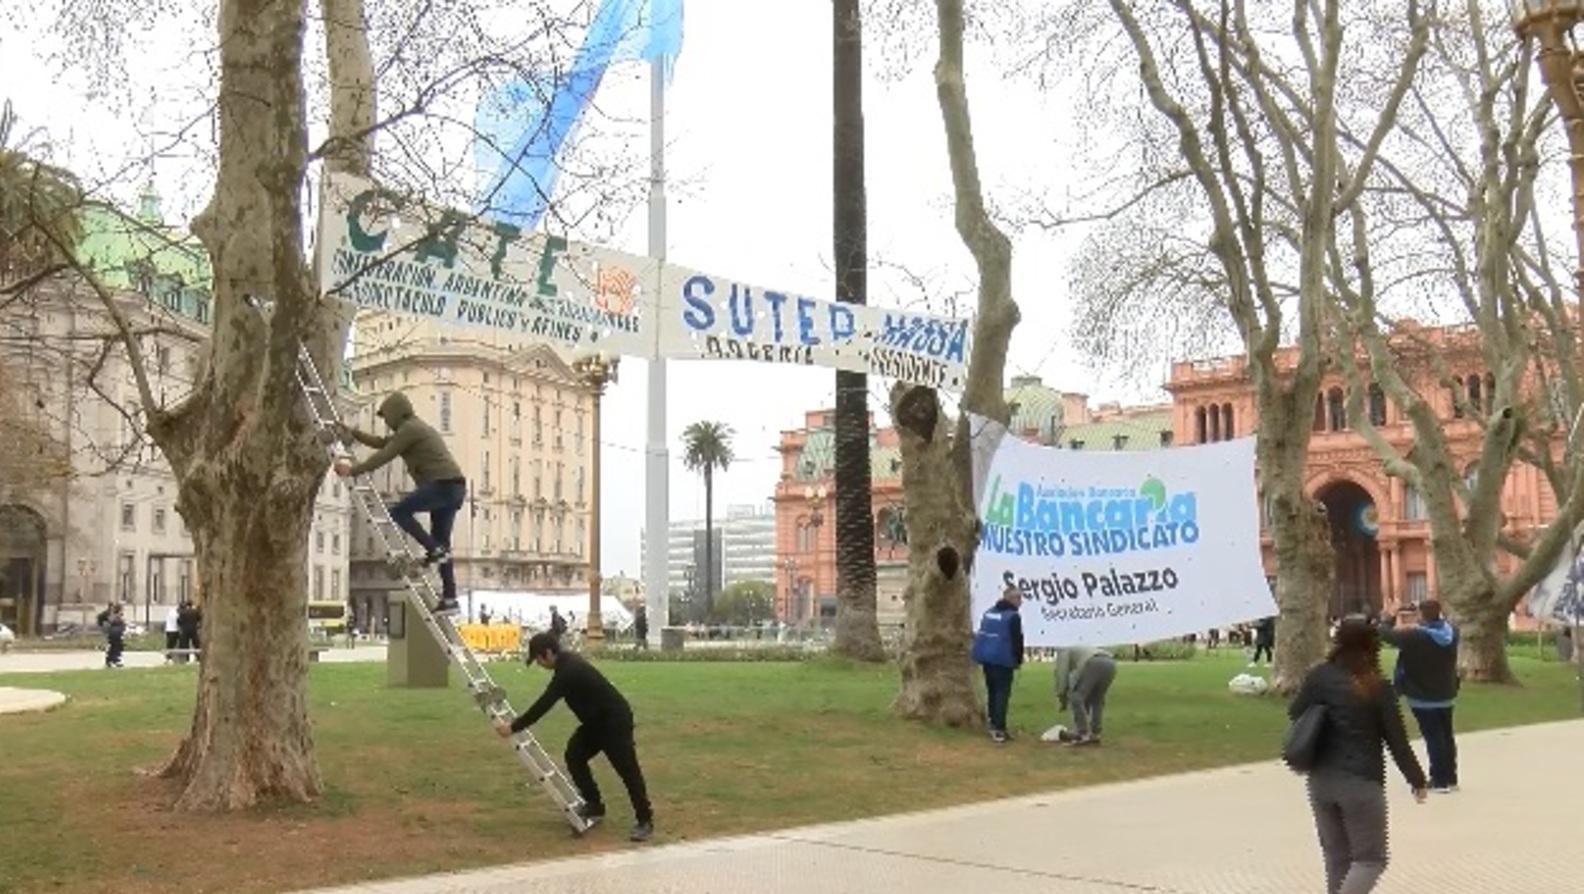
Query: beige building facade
518	420
108	530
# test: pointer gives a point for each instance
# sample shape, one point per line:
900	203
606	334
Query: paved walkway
1243	830
22	701
84	659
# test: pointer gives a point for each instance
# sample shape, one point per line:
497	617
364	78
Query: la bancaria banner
714	317
380	251
1120	547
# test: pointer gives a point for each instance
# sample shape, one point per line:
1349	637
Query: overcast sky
749	137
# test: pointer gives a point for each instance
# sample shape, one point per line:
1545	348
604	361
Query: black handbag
1301	745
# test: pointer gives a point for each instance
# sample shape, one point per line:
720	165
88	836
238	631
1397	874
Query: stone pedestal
414	659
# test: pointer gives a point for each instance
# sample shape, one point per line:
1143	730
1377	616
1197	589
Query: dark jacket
590	696
420	447
558	624
991	652
187	619
1265	632
1356	727
115	628
1426	660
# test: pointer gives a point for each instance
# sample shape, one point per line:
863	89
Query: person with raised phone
440	487
605	725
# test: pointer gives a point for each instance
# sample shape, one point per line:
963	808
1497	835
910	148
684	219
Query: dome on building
1035	407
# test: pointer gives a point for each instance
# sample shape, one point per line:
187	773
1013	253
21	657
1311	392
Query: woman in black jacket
1347	786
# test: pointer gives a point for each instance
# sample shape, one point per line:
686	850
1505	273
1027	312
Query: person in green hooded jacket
440	491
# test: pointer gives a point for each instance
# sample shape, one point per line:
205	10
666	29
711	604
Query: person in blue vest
998	646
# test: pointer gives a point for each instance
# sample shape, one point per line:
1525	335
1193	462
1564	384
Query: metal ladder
422	596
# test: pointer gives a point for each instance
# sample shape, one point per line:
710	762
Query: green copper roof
817	459
1034	406
1141	432
142	254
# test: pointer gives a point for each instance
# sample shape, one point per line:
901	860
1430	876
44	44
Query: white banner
1559	598
378	251
713	317
1111	548
381	252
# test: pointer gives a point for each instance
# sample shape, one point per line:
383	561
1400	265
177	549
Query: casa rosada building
1378	523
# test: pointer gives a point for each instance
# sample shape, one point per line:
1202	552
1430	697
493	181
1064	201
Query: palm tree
857	627
706	446
38	202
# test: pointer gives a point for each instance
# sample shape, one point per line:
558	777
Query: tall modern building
516	417
104	526
744	549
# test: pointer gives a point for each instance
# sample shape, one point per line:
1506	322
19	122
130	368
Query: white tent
532	610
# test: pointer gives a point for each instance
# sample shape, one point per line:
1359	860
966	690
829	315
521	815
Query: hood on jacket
1440	632
395	409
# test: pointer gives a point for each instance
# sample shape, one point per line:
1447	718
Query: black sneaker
447	607
999	737
642	832
591	811
438	557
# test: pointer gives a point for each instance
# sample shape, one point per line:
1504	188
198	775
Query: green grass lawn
416	781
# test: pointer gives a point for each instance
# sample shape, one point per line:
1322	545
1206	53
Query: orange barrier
491	637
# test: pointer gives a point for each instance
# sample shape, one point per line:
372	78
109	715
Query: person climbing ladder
440	487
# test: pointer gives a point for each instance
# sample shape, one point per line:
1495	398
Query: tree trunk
937	469
937	675
247	465
1482	632
704	611
857	628
1306	577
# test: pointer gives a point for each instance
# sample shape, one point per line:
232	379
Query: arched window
1199	426
1475	392
1456	391
1471	476
1319	420
1227	429
1336	410
1215	424
1413	504
1377	405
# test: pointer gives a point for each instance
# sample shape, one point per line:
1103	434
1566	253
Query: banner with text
381	252
717	318
1111	548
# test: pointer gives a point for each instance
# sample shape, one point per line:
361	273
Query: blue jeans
1436	726
442	500
998	692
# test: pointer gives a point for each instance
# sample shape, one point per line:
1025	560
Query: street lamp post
816	500
597	370
1548	23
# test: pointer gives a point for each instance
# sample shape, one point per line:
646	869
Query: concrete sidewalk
1242	830
84	659
23	701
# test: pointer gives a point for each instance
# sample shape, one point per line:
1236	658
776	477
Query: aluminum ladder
423	597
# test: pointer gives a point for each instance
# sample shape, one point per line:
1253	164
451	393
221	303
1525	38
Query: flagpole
656	477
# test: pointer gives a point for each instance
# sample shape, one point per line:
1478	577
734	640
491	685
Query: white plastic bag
1248	684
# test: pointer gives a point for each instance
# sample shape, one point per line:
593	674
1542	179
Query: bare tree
1255	138
937	479
246	464
1455	213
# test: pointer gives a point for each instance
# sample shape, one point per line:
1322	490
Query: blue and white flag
524	125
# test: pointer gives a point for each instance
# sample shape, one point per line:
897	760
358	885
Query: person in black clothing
115	636
641	627
1264	641
558	624
1347	785
605	724
188	617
